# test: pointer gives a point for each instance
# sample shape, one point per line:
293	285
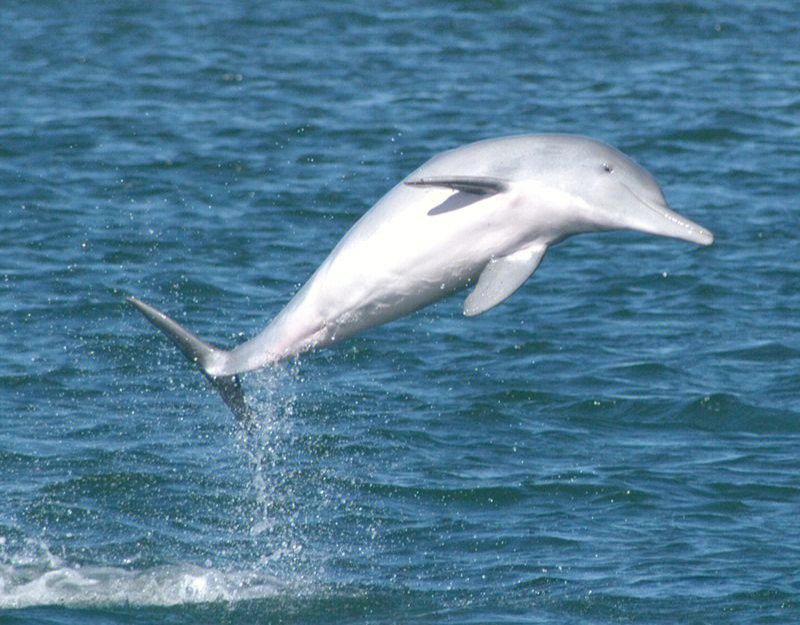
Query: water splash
266	441
31	574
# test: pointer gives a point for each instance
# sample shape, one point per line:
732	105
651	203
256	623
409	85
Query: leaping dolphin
483	214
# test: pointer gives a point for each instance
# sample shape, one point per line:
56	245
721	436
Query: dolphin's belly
368	284
399	257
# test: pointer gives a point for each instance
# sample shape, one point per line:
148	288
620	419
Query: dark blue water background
618	442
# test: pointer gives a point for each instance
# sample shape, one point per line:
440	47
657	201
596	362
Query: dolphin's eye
607	168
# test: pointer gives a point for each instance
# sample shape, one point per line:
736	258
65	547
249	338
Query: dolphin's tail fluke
204	355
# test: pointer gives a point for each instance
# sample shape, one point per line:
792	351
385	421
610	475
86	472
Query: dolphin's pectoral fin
501	277
474	185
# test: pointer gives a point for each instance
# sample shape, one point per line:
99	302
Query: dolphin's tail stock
205	356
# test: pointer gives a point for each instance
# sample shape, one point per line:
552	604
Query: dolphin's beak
668	223
660	219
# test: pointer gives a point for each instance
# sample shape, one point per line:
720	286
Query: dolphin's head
621	194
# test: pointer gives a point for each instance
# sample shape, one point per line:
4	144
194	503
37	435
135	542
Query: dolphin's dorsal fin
501	277
474	185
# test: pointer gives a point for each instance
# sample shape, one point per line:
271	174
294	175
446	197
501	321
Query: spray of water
31	574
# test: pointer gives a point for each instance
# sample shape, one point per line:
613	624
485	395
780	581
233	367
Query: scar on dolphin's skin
483	214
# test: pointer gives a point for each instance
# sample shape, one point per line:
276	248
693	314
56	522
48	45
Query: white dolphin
482	215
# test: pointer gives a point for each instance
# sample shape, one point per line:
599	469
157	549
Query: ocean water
618	442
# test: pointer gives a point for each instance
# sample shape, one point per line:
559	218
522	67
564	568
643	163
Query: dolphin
481	215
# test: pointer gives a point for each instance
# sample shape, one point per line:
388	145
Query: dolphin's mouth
673	224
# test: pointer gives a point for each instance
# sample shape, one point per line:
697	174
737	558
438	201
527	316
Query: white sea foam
36	577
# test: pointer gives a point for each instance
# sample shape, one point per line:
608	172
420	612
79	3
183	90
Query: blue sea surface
617	442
